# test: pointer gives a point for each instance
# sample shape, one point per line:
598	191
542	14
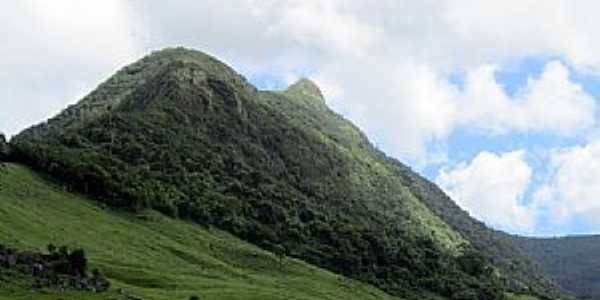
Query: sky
495	101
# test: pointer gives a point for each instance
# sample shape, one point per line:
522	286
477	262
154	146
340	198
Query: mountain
184	134
573	260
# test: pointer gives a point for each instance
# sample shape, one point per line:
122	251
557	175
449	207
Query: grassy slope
153	256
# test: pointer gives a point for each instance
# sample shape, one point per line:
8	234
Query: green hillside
149	255
574	261
184	134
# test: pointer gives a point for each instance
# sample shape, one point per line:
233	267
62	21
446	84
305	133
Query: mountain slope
184	134
523	272
152	256
573	261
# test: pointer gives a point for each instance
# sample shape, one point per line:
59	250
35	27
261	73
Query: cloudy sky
496	101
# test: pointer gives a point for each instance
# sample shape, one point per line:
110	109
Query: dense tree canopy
573	261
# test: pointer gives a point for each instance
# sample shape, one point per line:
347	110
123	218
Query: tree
4	148
279	252
473	263
78	262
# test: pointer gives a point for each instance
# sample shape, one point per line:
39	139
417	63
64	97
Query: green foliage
77	262
573	261
149	256
278	169
518	271
473	263
54	270
4	148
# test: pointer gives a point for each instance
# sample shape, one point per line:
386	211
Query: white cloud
323	25
508	29
491	188
550	103
410	104
54	52
573	189
403	104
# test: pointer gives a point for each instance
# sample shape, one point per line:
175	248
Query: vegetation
573	261
4	148
522	274
149	256
182	133
57	269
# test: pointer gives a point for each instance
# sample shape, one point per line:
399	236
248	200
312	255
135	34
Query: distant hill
574	261
182	133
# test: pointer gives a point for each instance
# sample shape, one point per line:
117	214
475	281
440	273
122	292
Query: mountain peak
208	64
306	87
184	65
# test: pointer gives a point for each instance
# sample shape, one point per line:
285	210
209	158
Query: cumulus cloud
323	25
491	188
573	188
551	102
54	52
403	104
413	104
508	29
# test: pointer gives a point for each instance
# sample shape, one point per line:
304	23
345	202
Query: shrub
4	148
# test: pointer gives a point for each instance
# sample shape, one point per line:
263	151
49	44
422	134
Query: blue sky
463	145
497	102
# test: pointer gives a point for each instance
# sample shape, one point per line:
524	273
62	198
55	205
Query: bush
4	148
57	269
78	262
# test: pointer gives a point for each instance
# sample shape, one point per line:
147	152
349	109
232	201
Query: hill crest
306	87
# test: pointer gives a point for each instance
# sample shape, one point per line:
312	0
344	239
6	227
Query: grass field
151	256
